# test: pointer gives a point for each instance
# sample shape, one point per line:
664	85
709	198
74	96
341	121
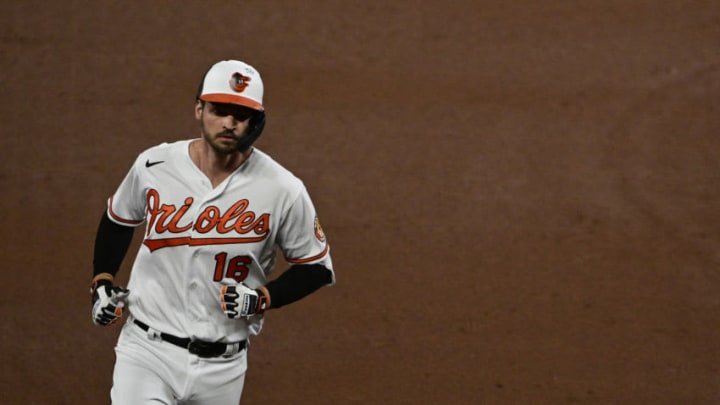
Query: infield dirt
521	197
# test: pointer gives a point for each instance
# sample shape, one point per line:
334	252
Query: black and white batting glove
239	300
108	302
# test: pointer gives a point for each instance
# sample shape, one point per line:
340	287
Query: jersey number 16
236	268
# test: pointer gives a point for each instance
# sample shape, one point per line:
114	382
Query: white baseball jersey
197	235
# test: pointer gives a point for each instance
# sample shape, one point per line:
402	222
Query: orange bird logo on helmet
239	82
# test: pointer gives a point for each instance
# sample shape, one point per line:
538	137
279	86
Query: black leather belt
199	347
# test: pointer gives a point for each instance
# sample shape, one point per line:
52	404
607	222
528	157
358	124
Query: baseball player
216	209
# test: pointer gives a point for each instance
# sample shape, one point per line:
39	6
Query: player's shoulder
166	148
267	167
163	152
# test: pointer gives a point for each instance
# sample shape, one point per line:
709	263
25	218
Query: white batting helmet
233	82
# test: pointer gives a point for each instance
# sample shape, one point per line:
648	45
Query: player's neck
216	166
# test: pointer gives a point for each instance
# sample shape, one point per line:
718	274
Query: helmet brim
232	99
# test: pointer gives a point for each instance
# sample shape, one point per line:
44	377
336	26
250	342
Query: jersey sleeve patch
319	234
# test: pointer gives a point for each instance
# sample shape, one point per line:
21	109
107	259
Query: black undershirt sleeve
112	242
297	282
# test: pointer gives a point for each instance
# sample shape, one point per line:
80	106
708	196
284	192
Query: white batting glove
108	304
238	300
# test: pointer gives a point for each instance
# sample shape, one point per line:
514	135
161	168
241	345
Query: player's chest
212	212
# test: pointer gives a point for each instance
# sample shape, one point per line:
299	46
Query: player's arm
112	242
301	237
113	237
297	282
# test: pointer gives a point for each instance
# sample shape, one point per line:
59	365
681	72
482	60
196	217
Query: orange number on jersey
237	268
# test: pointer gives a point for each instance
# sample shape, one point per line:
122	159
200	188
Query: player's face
222	125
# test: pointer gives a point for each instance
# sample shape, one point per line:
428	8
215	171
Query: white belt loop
153	334
232	348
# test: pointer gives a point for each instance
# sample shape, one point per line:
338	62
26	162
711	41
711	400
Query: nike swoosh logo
148	163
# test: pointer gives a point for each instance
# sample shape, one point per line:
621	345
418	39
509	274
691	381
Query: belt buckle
204	349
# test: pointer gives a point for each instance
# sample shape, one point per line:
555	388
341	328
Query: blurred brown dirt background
521	197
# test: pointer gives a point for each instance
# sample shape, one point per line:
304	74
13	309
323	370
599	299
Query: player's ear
199	104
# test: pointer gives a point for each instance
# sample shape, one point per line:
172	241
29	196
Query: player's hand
108	303
239	300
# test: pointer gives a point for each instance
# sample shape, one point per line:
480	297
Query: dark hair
200	85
